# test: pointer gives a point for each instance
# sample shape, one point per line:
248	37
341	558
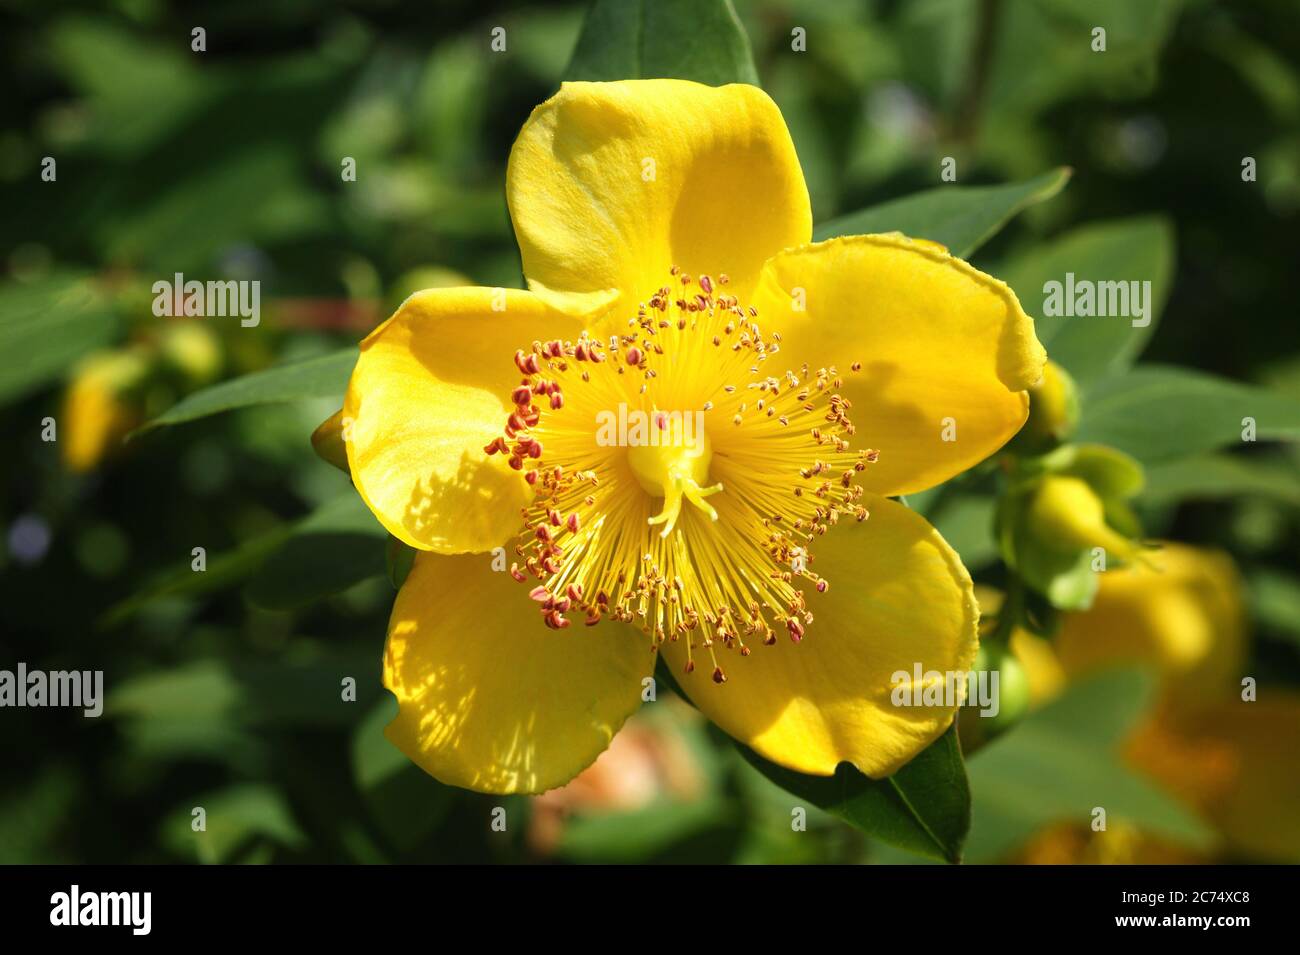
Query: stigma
675	468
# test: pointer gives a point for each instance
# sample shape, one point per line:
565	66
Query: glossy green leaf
960	217
700	40
1160	413
323	377
924	807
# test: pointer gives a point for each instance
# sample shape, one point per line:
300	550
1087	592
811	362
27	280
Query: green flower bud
329	442
1053	411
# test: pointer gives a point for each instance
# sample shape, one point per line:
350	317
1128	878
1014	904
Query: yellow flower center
674	469
678	485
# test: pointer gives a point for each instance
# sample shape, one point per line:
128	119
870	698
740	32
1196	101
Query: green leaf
1161	413
700	40
924	807
1109	472
1126	250
323	377
1061	762
648	833
405	803
960	217
1213	476
45	326
338	545
965	521
233	817
1275	602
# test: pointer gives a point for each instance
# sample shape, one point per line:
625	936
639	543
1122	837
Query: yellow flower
1233	760
665	233
97	410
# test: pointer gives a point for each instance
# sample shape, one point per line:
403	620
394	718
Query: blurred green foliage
225	687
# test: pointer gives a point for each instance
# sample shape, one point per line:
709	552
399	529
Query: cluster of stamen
780	443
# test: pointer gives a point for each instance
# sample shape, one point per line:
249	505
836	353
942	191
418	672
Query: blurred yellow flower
1231	758
665	233
97	413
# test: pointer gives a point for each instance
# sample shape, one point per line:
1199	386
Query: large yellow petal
611	184
1181	611
945	351
488	698
899	596
430	389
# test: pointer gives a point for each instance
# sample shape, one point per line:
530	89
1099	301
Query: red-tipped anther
543	533
498	446
634	356
517	463
530	477
593	617
690	666
534	449
516	573
515	422
580	351
574	591
550	566
555	517
706	283
523	395
555	620
540	594
795	628
823	585
718	676
557	400
573	523
521	361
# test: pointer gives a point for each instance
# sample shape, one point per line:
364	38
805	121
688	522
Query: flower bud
1053	411
329	444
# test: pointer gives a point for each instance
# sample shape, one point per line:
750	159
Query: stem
981	59
1010	613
